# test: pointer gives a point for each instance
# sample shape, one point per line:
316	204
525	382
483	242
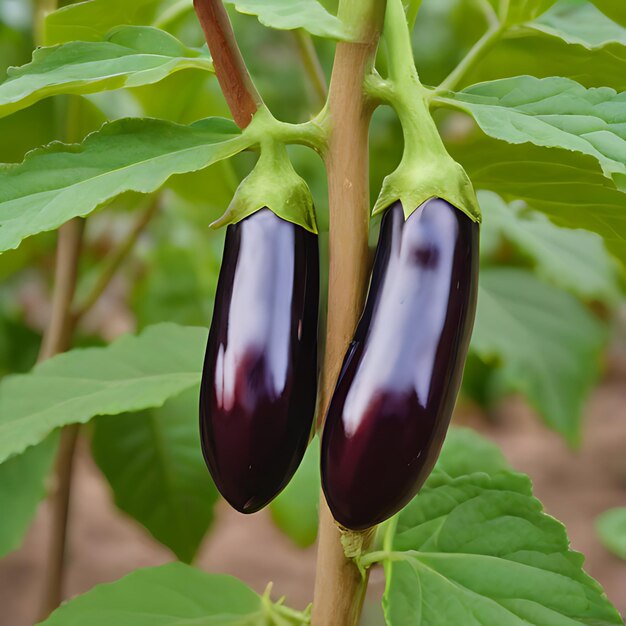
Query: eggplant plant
323	375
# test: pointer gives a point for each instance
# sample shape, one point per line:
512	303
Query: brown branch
115	260
57	339
339	586
241	95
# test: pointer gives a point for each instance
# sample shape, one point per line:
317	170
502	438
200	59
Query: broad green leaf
466	452
615	9
545	342
579	23
90	20
534	52
479	549
567	186
154	465
292	14
58	182
554	113
131	374
172	595
128	57
611	527
575	260
295	510
22	486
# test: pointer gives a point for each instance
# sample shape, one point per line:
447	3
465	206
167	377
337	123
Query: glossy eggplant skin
400	378
259	382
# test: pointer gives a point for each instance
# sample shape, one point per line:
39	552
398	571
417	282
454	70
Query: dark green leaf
572	259
22	486
546	343
154	465
478	549
295	510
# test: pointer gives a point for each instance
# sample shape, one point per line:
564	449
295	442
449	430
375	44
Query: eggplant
259	381
396	391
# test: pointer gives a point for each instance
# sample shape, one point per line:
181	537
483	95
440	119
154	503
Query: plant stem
241	95
57	338
115	260
312	65
471	59
339	585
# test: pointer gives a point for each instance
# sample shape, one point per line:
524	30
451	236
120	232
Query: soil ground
575	487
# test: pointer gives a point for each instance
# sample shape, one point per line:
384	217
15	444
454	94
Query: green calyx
426	169
273	183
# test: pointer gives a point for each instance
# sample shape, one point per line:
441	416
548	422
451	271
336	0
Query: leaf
293	14
295	510
466	452
171	595
154	465
58	182
615	9
575	260
579	23
566	186
546	343
131	374
611	527
479	549
518	11
22	487
90	20
552	112
535	52
128	57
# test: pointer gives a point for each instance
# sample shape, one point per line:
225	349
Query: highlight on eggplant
393	401
259	382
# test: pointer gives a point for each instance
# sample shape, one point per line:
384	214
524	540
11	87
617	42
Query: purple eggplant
259	382
400	378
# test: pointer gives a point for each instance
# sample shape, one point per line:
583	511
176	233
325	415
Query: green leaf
555	113
534	52
295	510
567	186
479	549
130	56
131	374
546	343
517	11
91	20
615	9
292	14
466	452
22	486
579	23
154	465
172	595
58	182
611	527
575	260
